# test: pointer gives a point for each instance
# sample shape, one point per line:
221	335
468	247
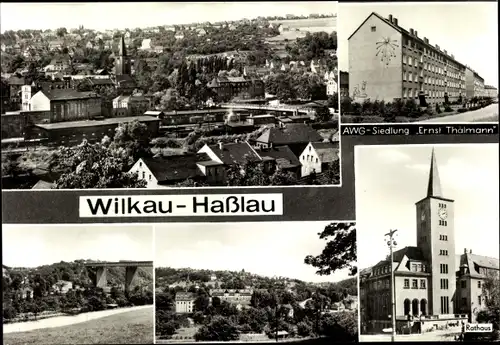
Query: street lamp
392	243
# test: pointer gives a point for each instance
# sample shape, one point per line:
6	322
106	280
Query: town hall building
434	287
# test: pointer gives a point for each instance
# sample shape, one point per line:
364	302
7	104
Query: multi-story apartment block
387	62
474	84
428	285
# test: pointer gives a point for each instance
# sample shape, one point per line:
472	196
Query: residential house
179	36
295	135
167	171
285	159
15	84
146	44
317	155
240	298
201	32
130	105
56	45
62	286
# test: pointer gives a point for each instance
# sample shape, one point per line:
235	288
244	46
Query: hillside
77	273
167	276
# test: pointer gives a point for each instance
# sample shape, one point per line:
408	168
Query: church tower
122	64
436	240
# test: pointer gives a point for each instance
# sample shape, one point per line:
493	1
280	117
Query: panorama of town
251	102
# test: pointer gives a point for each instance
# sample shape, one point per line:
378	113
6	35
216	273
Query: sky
390	179
32	246
468	30
264	248
121	15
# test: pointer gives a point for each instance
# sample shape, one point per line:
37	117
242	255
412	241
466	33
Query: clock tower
436	240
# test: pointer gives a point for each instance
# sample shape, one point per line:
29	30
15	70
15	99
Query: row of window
443	252
443	237
414	283
418	268
463	284
445	305
310	158
443	268
443	222
441	205
382	270
429	53
444	284
413	93
464	301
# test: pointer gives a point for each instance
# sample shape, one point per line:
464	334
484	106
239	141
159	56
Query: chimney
445	52
452	56
437	47
465	250
390	18
416	33
470	251
412	32
395	21
426	40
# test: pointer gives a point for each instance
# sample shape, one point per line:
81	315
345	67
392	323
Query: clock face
443	214
386	50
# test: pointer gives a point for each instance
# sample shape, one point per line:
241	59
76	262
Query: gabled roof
473	261
67	94
291	134
184	296
235	153
327	152
412	253
283	156
13	80
176	168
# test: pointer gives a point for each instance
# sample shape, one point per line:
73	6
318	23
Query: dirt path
59	321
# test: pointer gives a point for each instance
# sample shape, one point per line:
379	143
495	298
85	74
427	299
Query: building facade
474	84
240	298
229	87
184	302
490	91
425	276
130	106
387	62
66	104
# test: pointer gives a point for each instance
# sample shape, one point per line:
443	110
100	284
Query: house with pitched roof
317	155
184	302
473	271
167	171
295	135
128	105
284	158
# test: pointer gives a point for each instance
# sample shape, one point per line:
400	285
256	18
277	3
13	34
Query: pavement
428	336
59	321
486	114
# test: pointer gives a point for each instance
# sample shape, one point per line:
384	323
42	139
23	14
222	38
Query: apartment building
388	62
474	84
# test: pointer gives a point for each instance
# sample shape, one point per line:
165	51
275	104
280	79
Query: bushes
162	142
447	108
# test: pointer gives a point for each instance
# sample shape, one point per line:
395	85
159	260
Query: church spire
122	50
434	187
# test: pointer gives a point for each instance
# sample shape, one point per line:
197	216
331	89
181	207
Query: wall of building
310	161
40	102
145	174
72	110
369	77
184	306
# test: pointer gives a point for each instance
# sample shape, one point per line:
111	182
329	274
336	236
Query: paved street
486	114
429	336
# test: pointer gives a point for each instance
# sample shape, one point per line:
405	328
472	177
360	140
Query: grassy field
134	327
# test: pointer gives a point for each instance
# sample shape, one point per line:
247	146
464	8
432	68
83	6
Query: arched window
414	306
423	306
407	306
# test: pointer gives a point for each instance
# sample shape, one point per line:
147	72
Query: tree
491	295
339	252
219	329
323	114
134	137
94	166
61	32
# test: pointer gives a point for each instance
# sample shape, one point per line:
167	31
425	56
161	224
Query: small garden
405	111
